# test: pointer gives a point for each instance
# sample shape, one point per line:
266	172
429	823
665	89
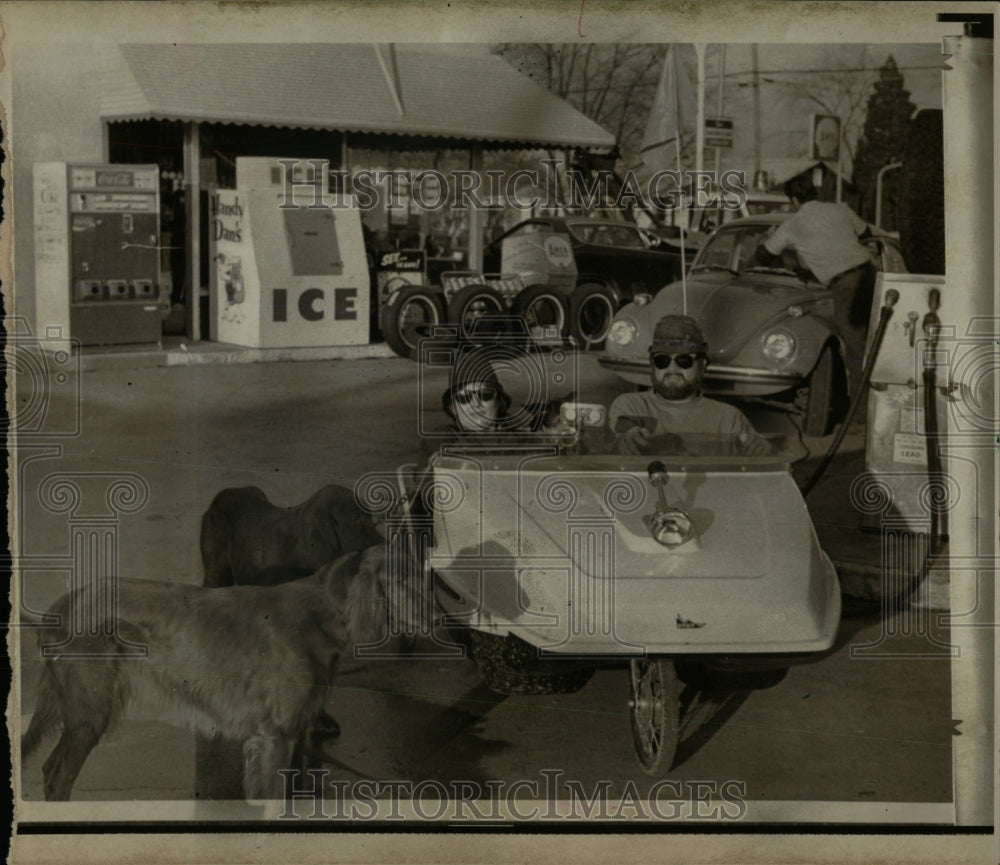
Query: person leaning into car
674	417
826	236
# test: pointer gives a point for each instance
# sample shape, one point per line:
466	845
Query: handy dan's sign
287	272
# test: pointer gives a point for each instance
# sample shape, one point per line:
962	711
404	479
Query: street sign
718	132
824	137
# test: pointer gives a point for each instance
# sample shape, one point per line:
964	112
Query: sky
789	76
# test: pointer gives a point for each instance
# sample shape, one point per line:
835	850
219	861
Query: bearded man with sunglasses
674	417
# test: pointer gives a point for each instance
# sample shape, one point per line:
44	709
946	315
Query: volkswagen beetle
770	330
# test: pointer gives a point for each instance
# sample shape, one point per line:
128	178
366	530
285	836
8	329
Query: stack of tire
585	315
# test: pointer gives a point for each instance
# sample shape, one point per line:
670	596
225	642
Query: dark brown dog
254	663
247	540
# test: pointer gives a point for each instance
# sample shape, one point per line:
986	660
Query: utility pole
755	86
722	83
699	156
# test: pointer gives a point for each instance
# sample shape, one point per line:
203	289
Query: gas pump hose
932	328
885	313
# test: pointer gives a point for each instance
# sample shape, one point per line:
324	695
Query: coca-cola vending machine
97	242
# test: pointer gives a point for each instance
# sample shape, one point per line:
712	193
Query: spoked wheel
654	699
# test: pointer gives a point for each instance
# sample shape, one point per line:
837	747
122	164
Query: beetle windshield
732	248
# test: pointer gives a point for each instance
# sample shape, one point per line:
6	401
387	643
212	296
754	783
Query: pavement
178	351
161	756
867	568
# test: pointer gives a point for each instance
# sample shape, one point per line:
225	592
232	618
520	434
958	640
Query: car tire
592	309
824	402
921	230
471	303
409	317
541	306
505	668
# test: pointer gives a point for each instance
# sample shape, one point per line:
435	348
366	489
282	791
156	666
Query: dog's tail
44	720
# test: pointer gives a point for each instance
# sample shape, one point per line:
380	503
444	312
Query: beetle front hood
730	309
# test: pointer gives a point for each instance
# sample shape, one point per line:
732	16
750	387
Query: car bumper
720	379
634	370
739	379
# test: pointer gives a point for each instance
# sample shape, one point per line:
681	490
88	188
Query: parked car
614	261
770	330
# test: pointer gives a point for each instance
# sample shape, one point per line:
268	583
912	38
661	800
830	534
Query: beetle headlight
778	346
623	331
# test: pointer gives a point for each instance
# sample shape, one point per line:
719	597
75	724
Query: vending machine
97	251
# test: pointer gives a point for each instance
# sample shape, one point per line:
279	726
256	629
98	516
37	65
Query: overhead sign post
718	132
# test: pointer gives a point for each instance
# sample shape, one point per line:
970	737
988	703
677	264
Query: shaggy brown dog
247	540
252	662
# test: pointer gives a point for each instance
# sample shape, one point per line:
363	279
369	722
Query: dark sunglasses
683	361
486	393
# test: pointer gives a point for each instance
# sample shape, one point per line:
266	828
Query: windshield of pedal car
599	447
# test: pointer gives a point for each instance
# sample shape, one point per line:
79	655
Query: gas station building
124	134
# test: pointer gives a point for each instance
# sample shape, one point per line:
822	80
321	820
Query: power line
940	68
651	84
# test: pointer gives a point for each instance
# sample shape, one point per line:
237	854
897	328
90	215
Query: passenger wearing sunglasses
674	417
476	404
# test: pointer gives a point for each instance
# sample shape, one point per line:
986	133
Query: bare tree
842	92
613	85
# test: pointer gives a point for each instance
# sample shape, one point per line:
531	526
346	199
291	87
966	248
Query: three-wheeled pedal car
549	562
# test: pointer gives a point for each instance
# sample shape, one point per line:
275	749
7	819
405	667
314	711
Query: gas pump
288	260
908	409
97	251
